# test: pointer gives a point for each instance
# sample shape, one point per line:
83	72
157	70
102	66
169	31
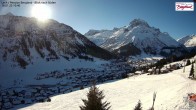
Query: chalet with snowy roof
164	70
139	72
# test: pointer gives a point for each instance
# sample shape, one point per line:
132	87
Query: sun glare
41	12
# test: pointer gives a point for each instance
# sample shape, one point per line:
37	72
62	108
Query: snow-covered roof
139	72
164	69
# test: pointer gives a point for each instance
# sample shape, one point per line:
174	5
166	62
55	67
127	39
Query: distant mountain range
30	49
188	41
41	59
136	38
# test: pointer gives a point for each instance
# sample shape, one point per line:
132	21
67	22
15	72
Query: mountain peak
137	22
9	14
142	37
188	41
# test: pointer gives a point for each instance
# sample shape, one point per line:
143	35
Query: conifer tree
188	62
138	106
94	100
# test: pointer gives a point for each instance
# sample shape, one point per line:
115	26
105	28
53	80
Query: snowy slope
124	94
99	37
18	77
188	41
29	47
138	36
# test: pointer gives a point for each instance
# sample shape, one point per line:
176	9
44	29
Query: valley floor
124	94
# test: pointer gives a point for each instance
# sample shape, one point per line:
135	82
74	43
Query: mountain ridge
188	41
139	33
51	37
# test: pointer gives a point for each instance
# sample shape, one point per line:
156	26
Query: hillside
29	48
124	94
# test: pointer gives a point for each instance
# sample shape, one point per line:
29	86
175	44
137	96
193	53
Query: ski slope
124	94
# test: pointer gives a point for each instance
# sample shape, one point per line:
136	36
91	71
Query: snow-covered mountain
29	47
188	41
99	36
136	38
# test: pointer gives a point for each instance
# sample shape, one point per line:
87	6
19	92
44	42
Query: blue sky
83	15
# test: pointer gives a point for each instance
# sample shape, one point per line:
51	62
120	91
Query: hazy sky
83	15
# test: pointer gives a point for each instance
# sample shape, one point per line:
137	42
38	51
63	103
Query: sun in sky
41	12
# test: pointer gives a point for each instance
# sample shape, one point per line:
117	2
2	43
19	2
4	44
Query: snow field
124	94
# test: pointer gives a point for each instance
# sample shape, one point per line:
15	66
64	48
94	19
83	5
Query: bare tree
154	97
